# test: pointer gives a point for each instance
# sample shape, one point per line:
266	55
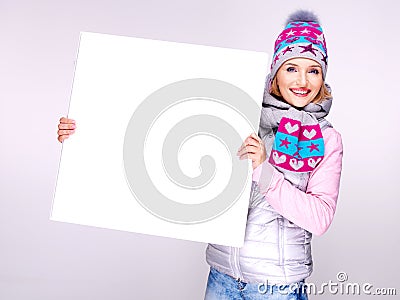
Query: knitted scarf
298	145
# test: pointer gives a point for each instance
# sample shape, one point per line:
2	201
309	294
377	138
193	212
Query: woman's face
299	81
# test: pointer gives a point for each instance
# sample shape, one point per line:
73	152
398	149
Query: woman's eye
314	71
291	69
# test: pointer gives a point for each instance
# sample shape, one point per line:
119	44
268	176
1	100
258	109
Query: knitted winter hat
302	37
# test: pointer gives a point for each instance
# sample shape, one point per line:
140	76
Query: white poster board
158	127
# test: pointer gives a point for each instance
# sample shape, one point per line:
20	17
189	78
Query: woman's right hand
253	148
65	128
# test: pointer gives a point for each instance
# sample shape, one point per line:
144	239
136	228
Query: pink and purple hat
302	37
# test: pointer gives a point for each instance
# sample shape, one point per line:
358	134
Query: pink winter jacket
281	219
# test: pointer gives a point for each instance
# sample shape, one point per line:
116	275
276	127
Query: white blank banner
158	127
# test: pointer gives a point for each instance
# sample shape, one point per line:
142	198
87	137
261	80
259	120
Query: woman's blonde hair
322	94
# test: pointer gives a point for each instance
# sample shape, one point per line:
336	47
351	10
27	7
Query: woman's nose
301	79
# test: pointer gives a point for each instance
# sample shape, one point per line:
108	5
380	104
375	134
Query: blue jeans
223	287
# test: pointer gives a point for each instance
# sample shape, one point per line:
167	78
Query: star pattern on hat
290	33
320	37
308	48
276	58
324	58
305	31
287	49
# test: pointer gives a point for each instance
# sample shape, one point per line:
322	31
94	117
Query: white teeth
302	92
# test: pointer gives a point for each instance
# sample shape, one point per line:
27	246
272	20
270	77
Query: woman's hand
65	129
253	147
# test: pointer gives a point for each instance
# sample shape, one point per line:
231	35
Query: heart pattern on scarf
290	129
309	134
312	162
306	148
278	159
296	164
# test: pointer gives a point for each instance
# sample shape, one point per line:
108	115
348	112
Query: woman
297	160
295	190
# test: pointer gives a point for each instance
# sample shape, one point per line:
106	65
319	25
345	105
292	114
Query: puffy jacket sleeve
313	209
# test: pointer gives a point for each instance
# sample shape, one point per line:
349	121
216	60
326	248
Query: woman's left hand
253	148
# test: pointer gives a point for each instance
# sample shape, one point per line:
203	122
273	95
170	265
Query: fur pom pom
302	15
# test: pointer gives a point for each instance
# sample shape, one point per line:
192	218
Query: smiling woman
297	161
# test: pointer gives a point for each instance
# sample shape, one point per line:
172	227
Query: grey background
40	259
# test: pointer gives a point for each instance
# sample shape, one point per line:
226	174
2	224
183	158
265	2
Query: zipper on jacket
280	237
236	263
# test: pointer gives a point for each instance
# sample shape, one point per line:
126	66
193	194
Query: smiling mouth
300	92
